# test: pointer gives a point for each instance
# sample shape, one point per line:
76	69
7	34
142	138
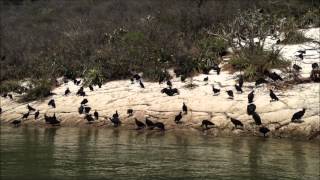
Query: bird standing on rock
52	103
230	94
185	108
241	81
130	112
215	91
84	101
178	118
238	88
159	125
67	91
141	84
16	123
140	125
236	122
91	87
264	130
250	97
149	123
256	118
30	108
298	115
206	79
96	115
169	84
273	96
206	123
36	115
251	108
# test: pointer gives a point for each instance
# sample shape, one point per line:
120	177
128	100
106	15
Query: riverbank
150	102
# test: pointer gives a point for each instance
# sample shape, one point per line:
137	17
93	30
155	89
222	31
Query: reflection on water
90	153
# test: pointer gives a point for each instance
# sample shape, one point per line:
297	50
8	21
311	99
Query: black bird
260	81
251	108
16	123
78	82
300	56
185	108
96	114
298	115
54	120
241	81
169	91
216	68
0	110
206	79
236	123
215	91
149	123
67	91
159	125
264	130
273	96
115	115
238	88
26	115
84	101
52	103
274	76
87	109
36	114
81	92
4	95
116	121
206	123
315	66
130	112
30	108
132	80
256	118
169	83
296	67
250	97
140	124
89	118
230	94
99	84
141	84
178	118
10	96
91	87
81	109
137	77
161	79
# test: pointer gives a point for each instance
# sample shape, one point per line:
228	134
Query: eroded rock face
202	104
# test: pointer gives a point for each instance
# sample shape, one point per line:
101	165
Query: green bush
256	61
295	37
11	86
41	89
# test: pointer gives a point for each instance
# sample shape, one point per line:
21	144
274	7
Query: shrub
11	86
93	76
295	37
41	89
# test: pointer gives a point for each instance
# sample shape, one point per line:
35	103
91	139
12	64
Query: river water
91	153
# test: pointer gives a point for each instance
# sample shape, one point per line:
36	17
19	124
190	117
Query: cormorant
116	121
89	118
296	67
91	87
130	112
264	130
250	97
140	124
10	96
273	96
67	91
238	88
260	81
236	122
215	91
206	123
298	115
26	115
178	118
96	114
16	123
137	77
315	66
206	79
36	114
84	101
241	81
115	115
169	83
185	108
149	123
169	91
230	94
182	78
52	103
81	109
256	118
30	108
87	109
251	108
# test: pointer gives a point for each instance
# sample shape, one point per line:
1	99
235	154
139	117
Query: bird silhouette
149	123
238	88
264	130
206	123
141	84
230	94
256	118
36	115
250	97
52	103
130	112
140	125
67	91
84	101
185	108
30	108
91	87
236	122
16	123
178	118
298	115
215	91
251	108
273	96
96	115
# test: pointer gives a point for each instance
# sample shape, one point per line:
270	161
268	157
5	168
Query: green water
74	153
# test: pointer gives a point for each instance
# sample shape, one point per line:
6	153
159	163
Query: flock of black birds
206	124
